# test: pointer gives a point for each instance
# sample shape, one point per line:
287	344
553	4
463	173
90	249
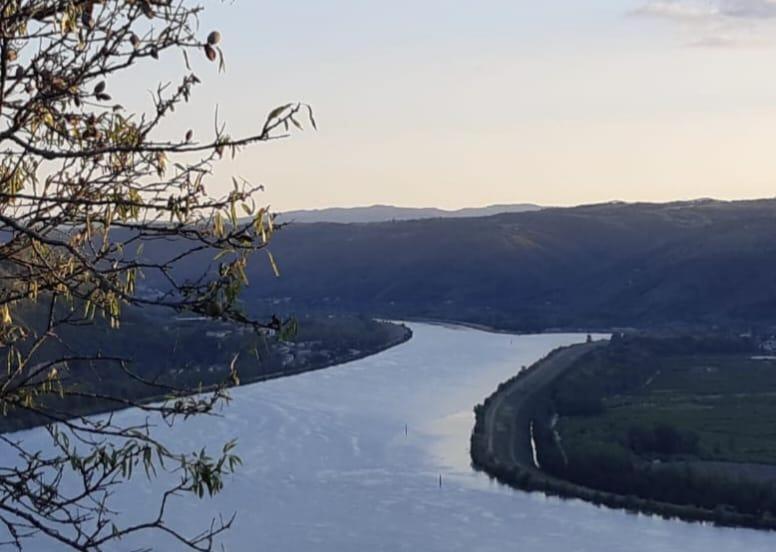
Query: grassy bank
502	454
199	360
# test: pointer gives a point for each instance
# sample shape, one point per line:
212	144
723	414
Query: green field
687	421
727	400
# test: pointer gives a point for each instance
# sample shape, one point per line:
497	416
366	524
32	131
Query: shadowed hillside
593	266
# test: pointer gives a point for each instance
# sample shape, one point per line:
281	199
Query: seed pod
210	52
213	309
214	38
189	135
147	10
100	88
103	97
87	20
134	40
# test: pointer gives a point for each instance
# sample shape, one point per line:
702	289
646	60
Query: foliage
84	187
173	353
682	421
649	468
662	439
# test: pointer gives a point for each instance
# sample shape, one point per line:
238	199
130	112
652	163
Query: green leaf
274	264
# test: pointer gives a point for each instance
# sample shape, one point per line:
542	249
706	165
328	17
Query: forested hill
598	266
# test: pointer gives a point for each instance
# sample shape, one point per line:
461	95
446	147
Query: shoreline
500	447
406	336
451	323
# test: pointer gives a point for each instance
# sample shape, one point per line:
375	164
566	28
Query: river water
351	458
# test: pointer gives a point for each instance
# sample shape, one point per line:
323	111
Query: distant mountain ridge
385	213
700	263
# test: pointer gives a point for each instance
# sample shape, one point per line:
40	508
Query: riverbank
505	330
9	424
404	336
502	446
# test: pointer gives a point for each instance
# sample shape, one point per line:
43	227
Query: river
350	459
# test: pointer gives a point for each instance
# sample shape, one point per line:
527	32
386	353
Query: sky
456	103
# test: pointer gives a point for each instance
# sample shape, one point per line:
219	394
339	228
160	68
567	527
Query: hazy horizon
488	205
492	103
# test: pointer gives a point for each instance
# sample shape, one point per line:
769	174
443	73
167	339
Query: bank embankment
503	447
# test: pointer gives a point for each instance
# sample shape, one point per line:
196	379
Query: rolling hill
701	263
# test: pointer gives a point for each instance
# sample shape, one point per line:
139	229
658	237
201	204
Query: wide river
350	459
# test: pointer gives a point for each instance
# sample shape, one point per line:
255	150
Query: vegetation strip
501	446
392	336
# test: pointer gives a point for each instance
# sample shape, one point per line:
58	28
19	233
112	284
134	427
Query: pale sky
464	103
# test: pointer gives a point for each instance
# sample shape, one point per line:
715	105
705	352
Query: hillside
598	266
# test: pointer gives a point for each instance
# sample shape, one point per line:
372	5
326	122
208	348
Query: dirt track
509	415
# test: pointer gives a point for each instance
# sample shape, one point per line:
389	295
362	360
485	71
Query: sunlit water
328	465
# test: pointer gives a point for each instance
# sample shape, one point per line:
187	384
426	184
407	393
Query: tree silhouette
84	186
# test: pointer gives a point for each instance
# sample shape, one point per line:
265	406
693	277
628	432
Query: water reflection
350	459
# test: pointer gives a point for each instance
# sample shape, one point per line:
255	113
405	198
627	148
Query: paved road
508	416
